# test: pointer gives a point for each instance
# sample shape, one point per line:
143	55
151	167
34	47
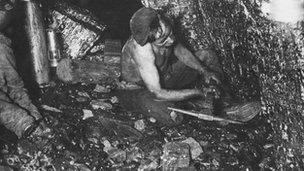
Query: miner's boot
15	118
35	129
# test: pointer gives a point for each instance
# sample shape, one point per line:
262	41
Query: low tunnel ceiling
114	13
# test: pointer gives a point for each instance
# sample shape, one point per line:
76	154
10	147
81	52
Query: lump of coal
195	147
100	104
101	89
148	165
87	114
140	125
176	155
117	155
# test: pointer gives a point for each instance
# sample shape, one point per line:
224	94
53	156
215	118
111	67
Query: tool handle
183	111
204	116
200	116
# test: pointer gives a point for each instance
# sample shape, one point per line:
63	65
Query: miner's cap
140	24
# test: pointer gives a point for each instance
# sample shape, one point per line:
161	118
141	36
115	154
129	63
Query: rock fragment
87	114
134	154
140	125
114	100
148	165
83	94
151	119
49	108
101	104
173	115
107	146
117	154
176	155
114	153
127	86
195	148
101	89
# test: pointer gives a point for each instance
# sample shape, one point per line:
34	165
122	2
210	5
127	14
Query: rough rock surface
77	142
78	29
261	58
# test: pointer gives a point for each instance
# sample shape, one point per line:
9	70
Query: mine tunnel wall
261	58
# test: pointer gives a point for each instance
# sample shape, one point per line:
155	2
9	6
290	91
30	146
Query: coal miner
17	113
154	59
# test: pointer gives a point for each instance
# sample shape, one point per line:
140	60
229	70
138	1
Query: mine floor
107	137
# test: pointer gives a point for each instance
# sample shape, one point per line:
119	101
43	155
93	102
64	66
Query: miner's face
164	35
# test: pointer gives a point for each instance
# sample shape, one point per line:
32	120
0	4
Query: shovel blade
243	112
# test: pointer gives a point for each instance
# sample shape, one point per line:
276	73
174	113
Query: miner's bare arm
145	59
184	55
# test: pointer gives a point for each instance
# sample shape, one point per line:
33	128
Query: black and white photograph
151	85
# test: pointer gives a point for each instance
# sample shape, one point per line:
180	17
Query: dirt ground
83	134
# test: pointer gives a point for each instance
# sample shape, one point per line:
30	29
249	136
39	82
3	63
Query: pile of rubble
91	131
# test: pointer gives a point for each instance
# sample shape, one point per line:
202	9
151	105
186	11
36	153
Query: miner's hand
209	76
211	90
41	127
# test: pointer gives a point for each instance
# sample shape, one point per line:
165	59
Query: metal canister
35	41
53	47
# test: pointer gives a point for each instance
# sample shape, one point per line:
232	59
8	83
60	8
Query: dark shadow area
116	14
21	48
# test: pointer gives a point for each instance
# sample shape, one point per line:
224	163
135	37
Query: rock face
261	58
78	29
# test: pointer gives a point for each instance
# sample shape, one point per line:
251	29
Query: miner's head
147	26
6	13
